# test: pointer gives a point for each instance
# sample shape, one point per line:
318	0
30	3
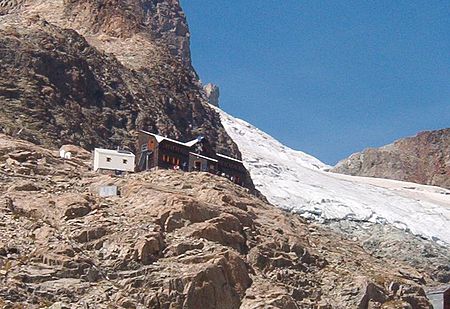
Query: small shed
439	296
113	160
107	191
73	151
65	154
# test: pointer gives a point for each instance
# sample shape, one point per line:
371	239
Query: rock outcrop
168	23
212	94
173	240
91	73
423	159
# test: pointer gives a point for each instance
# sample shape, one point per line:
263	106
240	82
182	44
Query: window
108	159
151	145
166	158
197	165
125	161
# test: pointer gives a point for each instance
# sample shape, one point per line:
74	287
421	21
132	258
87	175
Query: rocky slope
91	73
424	159
173	240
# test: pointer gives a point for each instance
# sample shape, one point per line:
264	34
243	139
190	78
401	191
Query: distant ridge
424	159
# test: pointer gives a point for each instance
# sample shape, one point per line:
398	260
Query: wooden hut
232	168
155	151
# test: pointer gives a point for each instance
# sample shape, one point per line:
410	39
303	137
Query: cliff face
423	159
174	240
93	72
133	30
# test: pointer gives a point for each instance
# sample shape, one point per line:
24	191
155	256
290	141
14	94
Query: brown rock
221	285
76	211
90	234
183	247
185	211
424	159
73	206
22	156
225	229
371	295
25	186
149	248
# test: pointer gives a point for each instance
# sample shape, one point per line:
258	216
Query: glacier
298	182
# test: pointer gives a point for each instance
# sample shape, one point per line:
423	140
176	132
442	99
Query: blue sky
327	77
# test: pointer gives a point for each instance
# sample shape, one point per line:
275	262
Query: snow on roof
122	153
189	144
160	138
437	289
229	158
204	157
192	143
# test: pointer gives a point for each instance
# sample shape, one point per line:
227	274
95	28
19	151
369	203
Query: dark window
108	159
125	161
197	165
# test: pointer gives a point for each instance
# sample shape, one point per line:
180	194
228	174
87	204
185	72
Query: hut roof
438	289
123	153
160	138
203	157
228	158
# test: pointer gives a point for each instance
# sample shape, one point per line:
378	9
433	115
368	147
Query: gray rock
384	241
169	23
212	94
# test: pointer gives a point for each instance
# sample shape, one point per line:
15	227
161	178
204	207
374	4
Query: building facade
155	151
439	297
113	160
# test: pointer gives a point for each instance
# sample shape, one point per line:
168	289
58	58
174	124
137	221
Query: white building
113	160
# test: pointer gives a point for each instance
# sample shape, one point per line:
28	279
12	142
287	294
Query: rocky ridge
173	240
424	159
91	73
